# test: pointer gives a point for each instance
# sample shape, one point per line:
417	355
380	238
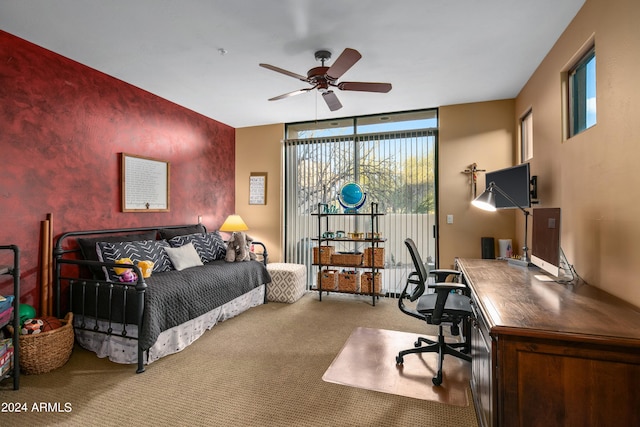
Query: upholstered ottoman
288	282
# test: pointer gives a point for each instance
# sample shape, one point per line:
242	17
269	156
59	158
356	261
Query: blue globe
351	197
351	194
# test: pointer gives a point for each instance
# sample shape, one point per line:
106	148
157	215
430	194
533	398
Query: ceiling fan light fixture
324	77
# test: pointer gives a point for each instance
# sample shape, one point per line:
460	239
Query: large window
393	156
582	93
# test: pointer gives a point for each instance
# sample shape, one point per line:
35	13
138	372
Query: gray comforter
174	297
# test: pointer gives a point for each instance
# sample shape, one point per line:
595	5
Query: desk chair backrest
442	291
420	271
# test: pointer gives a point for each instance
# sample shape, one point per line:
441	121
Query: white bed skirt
123	350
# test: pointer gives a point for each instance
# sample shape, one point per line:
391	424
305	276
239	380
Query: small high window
582	93
526	136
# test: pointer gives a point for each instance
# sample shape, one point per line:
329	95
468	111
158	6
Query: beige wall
481	133
593	177
259	149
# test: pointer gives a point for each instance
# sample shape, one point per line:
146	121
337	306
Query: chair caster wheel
416	344
437	380
399	360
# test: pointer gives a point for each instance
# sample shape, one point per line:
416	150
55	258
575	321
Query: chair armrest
442	273
445	270
447	286
443	289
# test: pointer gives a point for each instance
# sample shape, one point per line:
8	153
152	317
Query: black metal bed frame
84	283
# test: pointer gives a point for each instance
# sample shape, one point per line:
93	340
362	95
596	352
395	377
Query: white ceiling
434	52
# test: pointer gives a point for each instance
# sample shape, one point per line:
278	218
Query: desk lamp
487	201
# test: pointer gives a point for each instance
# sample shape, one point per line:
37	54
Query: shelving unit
14	270
370	241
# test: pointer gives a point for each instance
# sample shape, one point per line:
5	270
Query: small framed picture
258	188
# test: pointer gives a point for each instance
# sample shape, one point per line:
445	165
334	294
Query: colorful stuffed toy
125	275
146	267
128	276
239	248
118	270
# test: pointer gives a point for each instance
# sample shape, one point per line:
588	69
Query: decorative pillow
144	250
209	246
169	233
184	256
88	246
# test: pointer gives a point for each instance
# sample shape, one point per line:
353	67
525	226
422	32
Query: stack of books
6	345
6	308
6	356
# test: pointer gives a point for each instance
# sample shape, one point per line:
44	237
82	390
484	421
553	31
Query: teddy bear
239	248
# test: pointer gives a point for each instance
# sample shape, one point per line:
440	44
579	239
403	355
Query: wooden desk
547	354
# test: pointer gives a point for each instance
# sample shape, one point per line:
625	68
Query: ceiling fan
323	78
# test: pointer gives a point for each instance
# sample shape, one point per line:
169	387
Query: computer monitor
545	245
515	181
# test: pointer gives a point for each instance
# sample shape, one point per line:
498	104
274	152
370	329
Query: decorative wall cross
472	171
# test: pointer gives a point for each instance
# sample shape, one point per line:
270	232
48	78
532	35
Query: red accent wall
62	129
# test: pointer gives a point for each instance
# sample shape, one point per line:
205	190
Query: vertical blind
396	170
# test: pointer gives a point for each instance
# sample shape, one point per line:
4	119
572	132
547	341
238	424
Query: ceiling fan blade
295	92
332	100
285	72
345	61
365	86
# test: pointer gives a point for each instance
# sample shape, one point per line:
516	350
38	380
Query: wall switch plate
449	219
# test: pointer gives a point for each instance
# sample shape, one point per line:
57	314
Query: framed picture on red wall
144	184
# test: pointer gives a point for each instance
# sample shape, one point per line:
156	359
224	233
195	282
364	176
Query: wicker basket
349	281
325	254
374	254
346	259
46	351
367	279
328	280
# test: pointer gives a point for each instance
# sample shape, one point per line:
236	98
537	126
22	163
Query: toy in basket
43	324
47	349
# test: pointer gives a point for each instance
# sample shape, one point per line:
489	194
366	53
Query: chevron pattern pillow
209	246
143	250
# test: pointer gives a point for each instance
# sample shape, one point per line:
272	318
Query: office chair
443	306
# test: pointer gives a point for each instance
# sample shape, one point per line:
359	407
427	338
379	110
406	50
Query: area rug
368	361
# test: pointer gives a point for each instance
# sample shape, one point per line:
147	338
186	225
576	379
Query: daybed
142	321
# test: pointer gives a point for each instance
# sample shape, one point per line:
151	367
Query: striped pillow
143	250
210	246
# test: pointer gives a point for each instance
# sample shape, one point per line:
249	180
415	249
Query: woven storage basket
328	279
346	259
325	254
46	351
367	279
349	281
374	254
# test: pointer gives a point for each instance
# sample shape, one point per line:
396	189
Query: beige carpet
262	368
367	361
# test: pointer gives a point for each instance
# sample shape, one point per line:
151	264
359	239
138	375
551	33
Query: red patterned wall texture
62	129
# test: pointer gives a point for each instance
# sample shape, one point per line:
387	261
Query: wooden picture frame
258	188
144	184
